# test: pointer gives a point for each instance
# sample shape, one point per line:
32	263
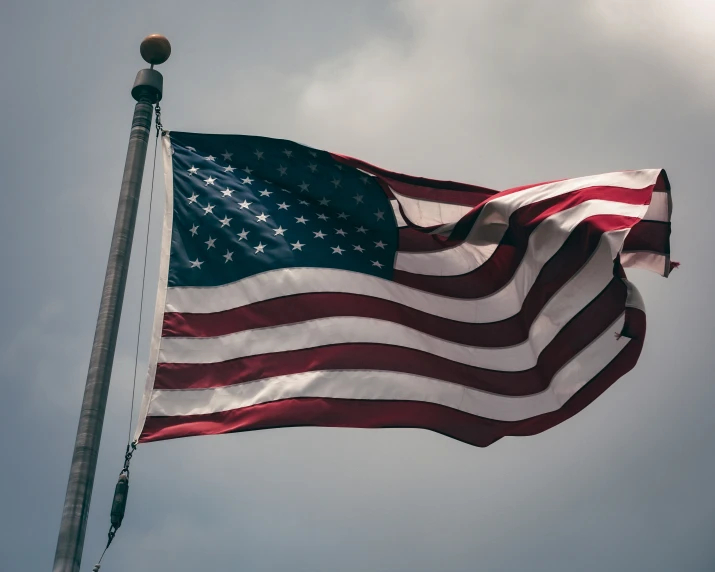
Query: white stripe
401	223
494	216
658	263
381	385
424	213
570	300
500	208
544	242
634	299
659	208
292	281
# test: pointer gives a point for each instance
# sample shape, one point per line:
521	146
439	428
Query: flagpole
147	91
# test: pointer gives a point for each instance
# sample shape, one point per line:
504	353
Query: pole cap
155	49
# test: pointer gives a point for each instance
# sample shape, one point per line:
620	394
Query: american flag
300	287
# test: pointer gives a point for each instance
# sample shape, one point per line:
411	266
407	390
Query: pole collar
148	81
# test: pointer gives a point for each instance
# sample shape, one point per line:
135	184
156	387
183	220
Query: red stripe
413	239
423	188
521	223
649	236
662	183
500	267
573	338
496	272
304	307
373	414
529	216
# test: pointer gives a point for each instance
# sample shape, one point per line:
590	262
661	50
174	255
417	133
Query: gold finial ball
155	49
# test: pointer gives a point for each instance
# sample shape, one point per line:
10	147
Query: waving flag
300	287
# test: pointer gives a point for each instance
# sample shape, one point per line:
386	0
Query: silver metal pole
147	91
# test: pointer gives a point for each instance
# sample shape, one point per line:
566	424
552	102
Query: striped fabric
497	313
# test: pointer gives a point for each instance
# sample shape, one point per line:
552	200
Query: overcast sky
494	92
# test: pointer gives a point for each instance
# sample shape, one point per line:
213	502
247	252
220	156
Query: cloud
471	78
677	31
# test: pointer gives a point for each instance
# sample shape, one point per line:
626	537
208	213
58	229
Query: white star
245	204
301	220
208	209
227	192
194	230
280	230
247	181
306	203
303	187
322	217
258	154
243	235
228	256
210	243
283	206
247	170
339	167
266	193
324	201
288	153
380	244
229	169
337	250
192	198
340	231
336	182
365	179
358	248
358	198
193	170
210	158
209	181
227	156
343	215
380	215
282	170
313	167
196	263
259	248
286	191
262	217
361	229
225	221
376	263
297	245
319	234
312	153
192	149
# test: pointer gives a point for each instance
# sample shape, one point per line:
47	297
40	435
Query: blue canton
244	205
